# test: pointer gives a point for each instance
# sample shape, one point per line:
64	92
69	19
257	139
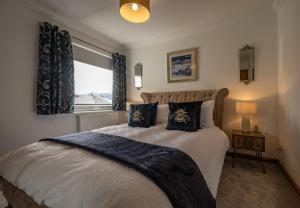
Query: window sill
92	108
93	112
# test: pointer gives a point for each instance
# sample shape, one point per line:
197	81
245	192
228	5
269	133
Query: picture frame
182	65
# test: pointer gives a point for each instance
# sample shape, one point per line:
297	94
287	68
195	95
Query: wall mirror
138	76
247	63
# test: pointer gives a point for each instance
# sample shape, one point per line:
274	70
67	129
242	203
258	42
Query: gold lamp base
245	124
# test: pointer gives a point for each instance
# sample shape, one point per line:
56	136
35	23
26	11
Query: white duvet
65	177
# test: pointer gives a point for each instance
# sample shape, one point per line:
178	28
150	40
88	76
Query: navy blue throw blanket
171	169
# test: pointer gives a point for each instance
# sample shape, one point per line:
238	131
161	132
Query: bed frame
189	96
18	198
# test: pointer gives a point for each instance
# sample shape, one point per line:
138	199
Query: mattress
60	176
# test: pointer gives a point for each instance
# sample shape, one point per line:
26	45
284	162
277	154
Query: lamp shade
246	108
136	11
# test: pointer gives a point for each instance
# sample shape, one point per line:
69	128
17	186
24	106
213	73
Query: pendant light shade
136	11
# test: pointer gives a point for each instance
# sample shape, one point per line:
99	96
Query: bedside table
254	141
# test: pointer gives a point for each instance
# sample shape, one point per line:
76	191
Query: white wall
218	57
219	67
289	82
19	124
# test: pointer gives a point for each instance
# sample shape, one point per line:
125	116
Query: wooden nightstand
254	141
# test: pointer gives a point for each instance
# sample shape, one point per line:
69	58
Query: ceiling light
135	7
136	11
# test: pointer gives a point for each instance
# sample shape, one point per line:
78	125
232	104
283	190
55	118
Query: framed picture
182	65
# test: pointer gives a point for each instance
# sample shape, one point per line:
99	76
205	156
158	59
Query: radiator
96	120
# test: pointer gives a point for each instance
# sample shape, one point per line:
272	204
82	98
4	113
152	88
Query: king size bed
46	174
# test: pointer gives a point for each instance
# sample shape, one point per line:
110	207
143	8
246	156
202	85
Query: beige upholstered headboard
188	96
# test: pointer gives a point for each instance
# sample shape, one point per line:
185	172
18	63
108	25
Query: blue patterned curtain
119	82
55	87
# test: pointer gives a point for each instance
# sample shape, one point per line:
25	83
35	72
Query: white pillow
207	114
162	114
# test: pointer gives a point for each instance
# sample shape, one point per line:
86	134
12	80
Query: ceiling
168	17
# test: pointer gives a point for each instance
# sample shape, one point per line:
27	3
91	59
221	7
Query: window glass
93	85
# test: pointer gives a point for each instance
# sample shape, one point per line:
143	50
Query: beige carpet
245	186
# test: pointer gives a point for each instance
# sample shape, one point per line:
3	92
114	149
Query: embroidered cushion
183	116
142	115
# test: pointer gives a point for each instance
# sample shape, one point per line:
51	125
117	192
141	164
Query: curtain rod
92	45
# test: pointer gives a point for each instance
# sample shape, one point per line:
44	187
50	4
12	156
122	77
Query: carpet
245	186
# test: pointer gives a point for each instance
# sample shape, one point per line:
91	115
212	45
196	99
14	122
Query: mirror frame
247	57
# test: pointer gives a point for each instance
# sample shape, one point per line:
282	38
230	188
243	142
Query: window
93	80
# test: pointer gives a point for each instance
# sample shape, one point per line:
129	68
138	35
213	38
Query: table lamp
246	108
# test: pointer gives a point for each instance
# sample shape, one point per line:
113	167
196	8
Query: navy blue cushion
139	116
142	115
183	116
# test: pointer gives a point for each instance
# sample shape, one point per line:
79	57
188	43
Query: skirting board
289	177
272	160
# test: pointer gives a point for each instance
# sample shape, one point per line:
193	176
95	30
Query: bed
46	174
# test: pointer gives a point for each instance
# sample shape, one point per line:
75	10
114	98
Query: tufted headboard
188	96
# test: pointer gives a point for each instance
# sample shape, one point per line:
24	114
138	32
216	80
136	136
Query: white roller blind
91	57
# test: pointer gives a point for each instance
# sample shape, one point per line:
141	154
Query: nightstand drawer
258	144
239	142
250	143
